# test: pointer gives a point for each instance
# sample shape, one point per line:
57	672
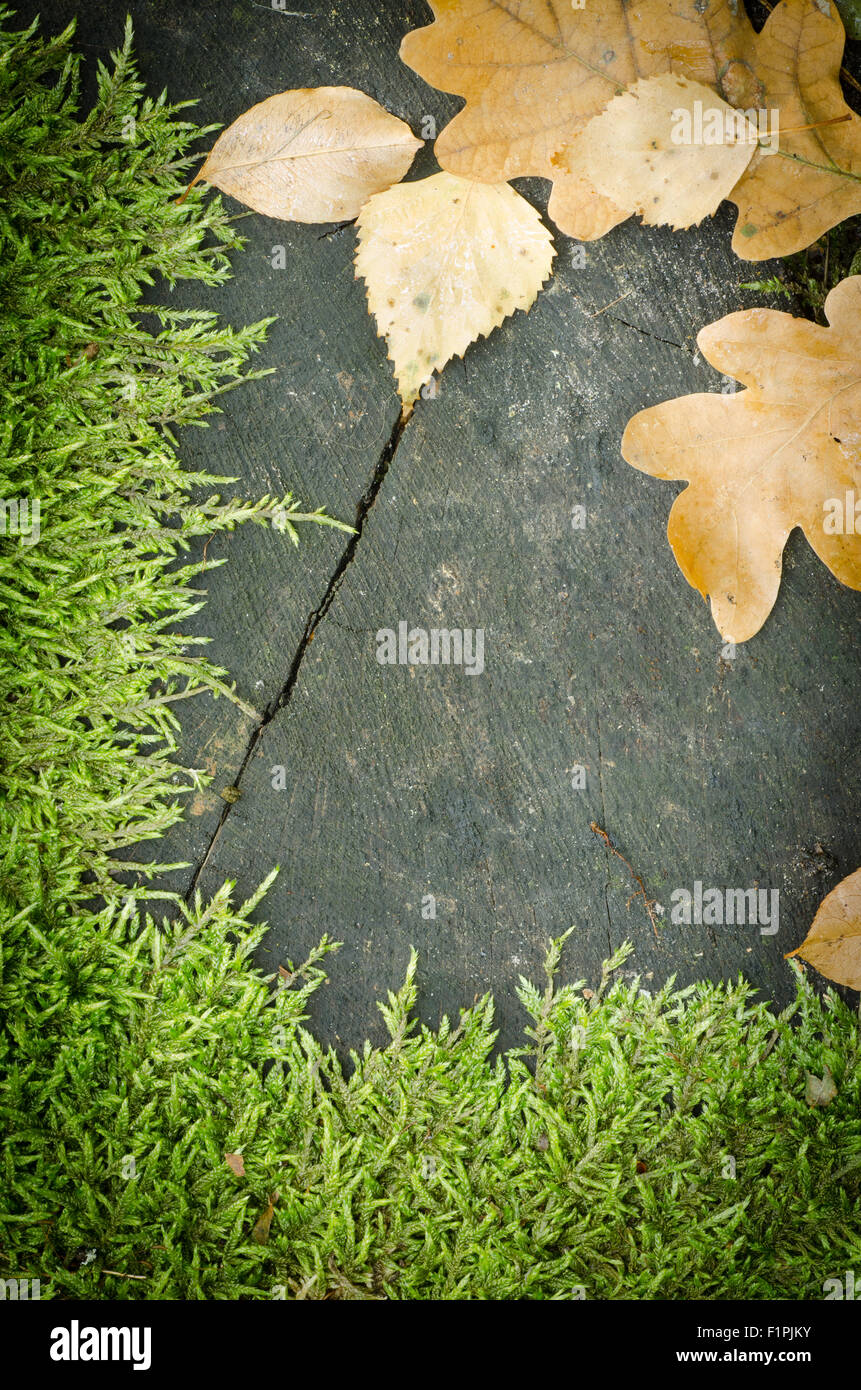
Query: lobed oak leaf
446	261
636	151
833	944
311	155
786	452
786	202
535	74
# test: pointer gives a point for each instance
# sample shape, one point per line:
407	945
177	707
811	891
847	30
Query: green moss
850	12
806	279
93	383
638	1146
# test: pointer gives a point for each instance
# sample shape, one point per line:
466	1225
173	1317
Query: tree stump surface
406	782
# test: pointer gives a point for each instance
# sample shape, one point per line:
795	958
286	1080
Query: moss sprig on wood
94	381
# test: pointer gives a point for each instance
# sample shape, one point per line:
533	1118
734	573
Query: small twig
847	77
119	1275
610	305
648	902
816	125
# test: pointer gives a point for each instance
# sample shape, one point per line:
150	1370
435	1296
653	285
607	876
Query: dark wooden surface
407	781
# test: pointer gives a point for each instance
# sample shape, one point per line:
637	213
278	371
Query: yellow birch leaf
311	155
445	261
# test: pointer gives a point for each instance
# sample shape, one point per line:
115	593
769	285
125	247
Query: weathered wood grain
405	781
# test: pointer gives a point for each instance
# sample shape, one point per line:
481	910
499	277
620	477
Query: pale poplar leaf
311	155
669	149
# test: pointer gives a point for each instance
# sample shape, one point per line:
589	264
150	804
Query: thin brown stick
205	548
179	201
847	77
610	305
648	903
816	125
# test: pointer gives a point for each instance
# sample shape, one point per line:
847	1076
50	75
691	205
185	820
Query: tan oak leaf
787	201
446	261
535	73
785	452
311	155
833	944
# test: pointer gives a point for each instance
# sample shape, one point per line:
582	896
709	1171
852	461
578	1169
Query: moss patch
637	1146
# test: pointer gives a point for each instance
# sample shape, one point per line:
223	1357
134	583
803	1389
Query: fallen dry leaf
534	75
833	944
787	201
786	452
820	1090
260	1231
311	155
445	261
635	153
236	1164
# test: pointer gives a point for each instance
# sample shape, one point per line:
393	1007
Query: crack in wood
648	334
315	617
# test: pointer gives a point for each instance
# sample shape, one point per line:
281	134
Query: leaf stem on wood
648	903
